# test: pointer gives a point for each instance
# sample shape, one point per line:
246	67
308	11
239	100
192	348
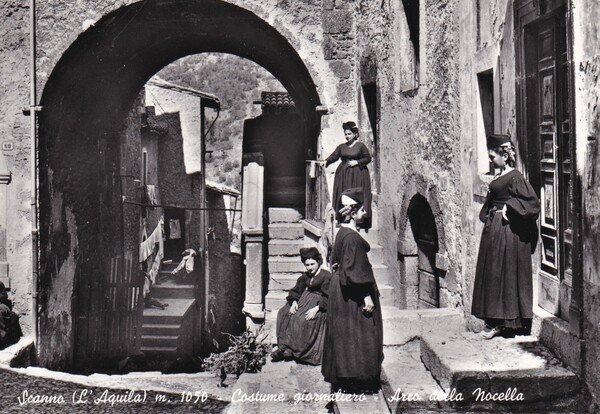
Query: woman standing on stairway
353	350
503	292
352	171
301	322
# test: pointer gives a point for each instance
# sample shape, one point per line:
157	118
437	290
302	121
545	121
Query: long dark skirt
353	350
303	338
351	177
503	292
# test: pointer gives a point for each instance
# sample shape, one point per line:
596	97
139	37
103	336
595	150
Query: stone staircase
286	237
167	333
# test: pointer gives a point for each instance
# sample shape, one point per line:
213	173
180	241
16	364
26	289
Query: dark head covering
351	125
497	140
310	253
354	194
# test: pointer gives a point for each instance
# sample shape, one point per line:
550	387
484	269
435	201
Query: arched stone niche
422	258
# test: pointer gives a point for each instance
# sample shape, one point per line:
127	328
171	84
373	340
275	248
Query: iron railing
317	195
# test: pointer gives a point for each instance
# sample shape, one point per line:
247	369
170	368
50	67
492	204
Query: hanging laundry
174	229
155	266
187	262
147	246
152	195
312	172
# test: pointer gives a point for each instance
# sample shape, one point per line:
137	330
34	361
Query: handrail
317	195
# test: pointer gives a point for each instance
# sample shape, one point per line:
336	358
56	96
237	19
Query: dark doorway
279	135
425	234
371	97
175	233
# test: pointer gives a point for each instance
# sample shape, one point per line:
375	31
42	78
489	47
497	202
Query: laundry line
183	208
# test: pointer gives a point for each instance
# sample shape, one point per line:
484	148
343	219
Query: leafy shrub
247	353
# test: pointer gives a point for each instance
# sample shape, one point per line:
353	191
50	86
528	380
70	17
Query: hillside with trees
237	82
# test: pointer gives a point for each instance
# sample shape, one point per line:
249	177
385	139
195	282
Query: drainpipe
33	142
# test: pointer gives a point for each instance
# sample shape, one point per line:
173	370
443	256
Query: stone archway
85	101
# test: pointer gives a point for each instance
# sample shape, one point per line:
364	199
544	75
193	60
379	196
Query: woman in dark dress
301	322
352	171
503	291
353	350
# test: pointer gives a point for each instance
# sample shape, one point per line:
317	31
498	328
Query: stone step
286	231
159	352
382	275
172	290
282	281
171	315
408	393
466	362
275	299
386	295
160	329
376	254
286	247
278	264
404	325
284	215
167	267
149	341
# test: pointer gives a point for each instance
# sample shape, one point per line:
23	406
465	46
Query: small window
485	119
411	10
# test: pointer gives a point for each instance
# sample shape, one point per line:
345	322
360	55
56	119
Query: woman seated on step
301	322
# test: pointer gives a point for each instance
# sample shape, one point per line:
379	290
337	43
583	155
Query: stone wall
586	29
419	132
15	198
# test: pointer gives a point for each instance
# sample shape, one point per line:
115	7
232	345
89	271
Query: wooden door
548	98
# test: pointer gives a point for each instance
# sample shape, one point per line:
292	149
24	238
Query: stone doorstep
284	215
287	231
465	362
555	334
403	325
